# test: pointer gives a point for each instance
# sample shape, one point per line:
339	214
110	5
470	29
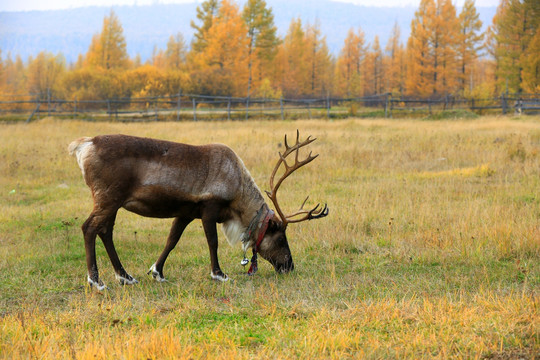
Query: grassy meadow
431	248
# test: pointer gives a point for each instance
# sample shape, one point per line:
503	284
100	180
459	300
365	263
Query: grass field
431	249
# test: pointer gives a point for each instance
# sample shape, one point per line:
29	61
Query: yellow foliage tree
263	41
469	44
319	62
221	68
373	70
291	67
394	63
108	48
44	74
431	67
349	74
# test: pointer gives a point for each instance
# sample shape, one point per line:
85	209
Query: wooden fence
200	107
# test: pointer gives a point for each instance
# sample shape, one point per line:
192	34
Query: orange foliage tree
349	68
221	67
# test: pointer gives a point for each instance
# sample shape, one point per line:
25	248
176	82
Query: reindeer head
274	247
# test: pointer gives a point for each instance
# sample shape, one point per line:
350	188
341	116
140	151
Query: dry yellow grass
431	248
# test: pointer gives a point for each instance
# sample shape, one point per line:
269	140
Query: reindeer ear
275	224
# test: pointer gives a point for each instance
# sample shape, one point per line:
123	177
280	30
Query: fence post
247	108
75	108
36	110
109	108
386	105
503	104
281	106
156	99
48	102
328	105
229	109
194	109
179	105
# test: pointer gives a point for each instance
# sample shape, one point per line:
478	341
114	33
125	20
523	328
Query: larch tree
394	63
431	66
418	81
263	41
514	27
291	65
319	62
175	54
44	74
225	57
108	49
531	65
2	74
350	64
374	69
469	44
206	14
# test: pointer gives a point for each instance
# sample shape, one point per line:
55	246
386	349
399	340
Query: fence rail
200	107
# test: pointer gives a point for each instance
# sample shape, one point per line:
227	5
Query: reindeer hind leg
90	230
177	228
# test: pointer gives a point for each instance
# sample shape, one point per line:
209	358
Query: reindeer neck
251	201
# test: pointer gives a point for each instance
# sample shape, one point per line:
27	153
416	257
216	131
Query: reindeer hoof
155	274
219	277
99	285
126	280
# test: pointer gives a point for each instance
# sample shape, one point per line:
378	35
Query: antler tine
289	169
312	214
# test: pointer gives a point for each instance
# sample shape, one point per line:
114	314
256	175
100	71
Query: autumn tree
206	13
374	69
349	68
175	55
44	74
418	50
108	49
319	62
531	65
221	66
514	27
263	41
291	66
469	43
394	63
432	61
2	74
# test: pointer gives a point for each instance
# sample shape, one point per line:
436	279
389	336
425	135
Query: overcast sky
23	5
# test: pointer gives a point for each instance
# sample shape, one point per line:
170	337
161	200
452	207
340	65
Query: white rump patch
81	149
233	231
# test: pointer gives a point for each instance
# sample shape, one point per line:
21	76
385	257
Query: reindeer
162	179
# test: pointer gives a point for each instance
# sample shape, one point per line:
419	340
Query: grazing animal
163	179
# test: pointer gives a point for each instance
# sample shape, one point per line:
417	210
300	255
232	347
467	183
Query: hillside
146	27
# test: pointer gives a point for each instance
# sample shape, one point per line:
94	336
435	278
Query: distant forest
238	51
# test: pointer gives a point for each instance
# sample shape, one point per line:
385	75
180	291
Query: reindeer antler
314	213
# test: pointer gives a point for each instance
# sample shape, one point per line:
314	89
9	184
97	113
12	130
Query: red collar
253	268
263	229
